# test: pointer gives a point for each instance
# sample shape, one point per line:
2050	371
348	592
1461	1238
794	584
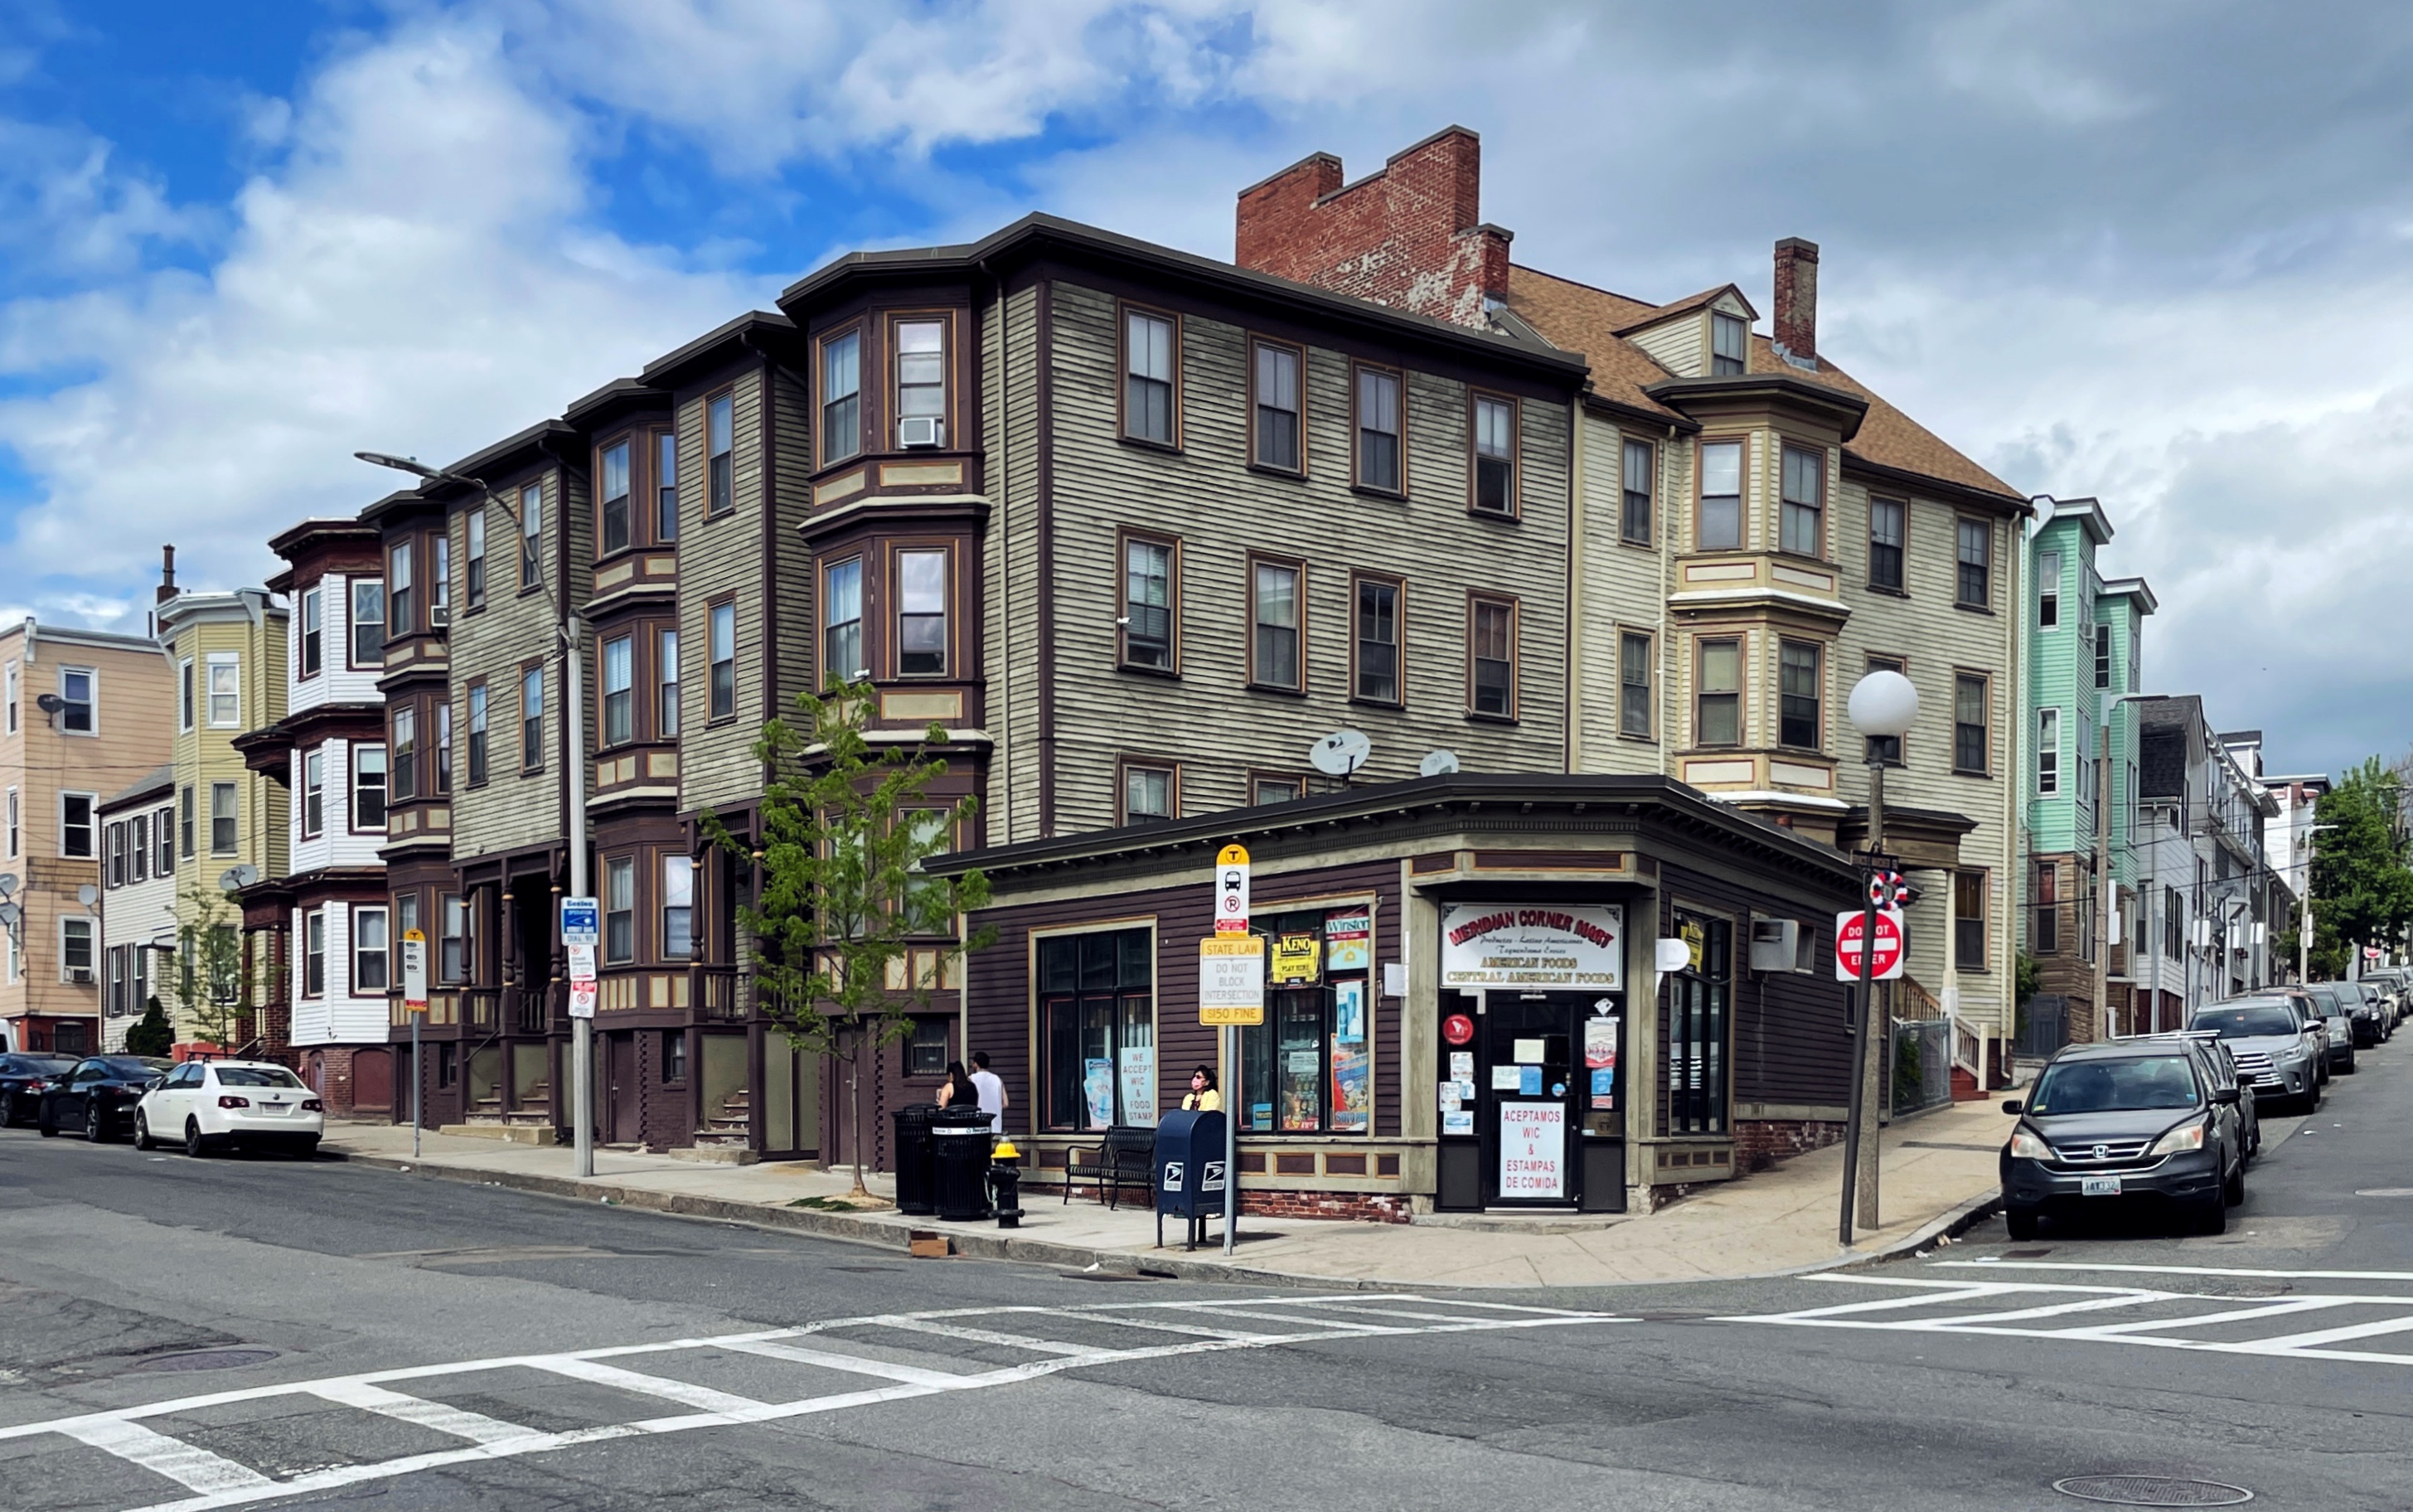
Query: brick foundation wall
1759	1144
1347	1207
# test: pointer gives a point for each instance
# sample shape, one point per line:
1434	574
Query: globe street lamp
1884	705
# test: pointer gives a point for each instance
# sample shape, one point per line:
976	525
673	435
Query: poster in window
1600	1060
1348	939
1460	1122
1098	1091
1139	1084
1302	1074
1349	1010
1296	957
1533	1150
1353	1104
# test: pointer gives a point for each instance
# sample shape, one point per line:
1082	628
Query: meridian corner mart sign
1576	947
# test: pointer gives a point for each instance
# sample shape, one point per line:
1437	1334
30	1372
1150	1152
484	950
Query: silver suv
2274	1052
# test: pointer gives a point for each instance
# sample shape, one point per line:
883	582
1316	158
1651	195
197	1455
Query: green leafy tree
842	909
210	985
2363	889
151	1034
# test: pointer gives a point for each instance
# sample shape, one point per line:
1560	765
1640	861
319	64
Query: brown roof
1684	306
1583	318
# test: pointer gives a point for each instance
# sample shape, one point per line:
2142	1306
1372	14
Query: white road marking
192	1468
851	1364
458	1421
702	1398
2176	1270
986	1336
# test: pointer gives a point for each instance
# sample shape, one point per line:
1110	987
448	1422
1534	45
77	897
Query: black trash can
917	1179
960	1135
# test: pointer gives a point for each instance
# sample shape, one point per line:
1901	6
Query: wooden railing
481	1008
718	992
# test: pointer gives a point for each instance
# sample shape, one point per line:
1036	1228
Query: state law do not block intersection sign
1886	965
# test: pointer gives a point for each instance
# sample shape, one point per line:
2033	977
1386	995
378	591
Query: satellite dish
7	882
87	895
9	914
1340	752
236	877
1437	764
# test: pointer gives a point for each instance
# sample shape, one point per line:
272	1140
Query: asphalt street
237	1332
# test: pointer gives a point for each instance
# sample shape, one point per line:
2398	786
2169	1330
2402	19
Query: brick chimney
1410	236
167	588
1797	299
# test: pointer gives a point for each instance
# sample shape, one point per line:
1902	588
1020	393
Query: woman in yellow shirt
1202	1096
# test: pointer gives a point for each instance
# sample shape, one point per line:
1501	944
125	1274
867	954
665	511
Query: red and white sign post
1886	965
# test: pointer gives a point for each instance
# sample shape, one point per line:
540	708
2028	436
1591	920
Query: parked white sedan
210	1106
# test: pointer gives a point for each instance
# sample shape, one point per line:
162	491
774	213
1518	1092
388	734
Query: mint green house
2083	660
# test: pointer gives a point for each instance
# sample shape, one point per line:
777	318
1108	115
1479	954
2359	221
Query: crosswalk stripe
853	1364
983	1336
2310	1343
458	1421
2276	1308
195	1469
703	1399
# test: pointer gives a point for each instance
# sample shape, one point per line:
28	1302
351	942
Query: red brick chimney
1797	299
1410	236
167	588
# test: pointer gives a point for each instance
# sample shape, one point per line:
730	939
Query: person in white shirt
992	1092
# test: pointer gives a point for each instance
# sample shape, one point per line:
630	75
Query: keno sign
1579	948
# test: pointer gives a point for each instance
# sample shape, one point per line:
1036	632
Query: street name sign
1887	963
1232	980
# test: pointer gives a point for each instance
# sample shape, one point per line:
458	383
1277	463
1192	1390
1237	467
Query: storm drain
207	1359
2152	1490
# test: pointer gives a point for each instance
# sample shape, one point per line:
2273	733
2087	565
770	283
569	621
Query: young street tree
209	982
2362	890
842	909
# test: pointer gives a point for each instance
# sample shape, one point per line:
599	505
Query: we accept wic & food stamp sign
1578	947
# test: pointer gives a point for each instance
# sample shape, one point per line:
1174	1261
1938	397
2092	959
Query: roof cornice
1841	407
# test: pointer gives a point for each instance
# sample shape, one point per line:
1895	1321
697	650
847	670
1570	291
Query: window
925	902
476	555
313	631
1491	658
16	821
113	874
611	482
927	1052
75	950
1495	454
314	954
721	673
1886	750
1977	557
1721	522
1969	920
1378	430
1887	522
163	842
185	696
2103	656
185	798
1633	685
1375	674
1802	529
1698	999
1276	398
2048	752
2174	925
1149	376
842	620
439	581
405	737
678	907
1149	791
139	861
313	793
1265	790
1637	474
674	1056
370	952
2044	913
443	747
478	735
397	577
1969	734
531	534
368	790
79	714
842	397
532	720
453	956
2049	590
14	695
1097	1027
1149	604
405	914
225	690
1725	345
665	487
666	691
1717	699
921	614
620	910
368	624
1275	621
1305	1069
1797	694
720	453
78	836
619	691
922	378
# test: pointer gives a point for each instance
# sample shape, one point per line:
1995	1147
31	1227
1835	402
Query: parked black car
2340	1003
2134	1118
24	1079
96	1099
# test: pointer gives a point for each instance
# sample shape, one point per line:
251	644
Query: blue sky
2154	252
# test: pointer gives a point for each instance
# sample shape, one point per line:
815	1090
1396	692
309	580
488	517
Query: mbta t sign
1887	963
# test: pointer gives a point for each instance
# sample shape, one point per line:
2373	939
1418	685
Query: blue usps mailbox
1189	1172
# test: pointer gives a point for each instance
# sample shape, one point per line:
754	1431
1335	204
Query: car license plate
2098	1186
272	1107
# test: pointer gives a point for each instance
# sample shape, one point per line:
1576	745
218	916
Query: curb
1951	1224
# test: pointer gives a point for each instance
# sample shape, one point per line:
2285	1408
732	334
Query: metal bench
1125	1157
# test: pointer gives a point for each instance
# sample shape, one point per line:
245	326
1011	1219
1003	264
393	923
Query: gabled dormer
1708	336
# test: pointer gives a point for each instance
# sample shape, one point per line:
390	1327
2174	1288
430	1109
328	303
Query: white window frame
231	663
90	927
234	818
16	824
352	988
2047	753
92	701
313	795
314	946
2047	590
187	697
15	693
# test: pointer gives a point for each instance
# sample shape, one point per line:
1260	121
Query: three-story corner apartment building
2084	665
323	926
2207	904
225	657
83	715
137	900
1754	531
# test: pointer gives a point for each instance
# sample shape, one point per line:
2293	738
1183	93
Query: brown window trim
1649	542
1124	535
890	320
1356	475
468	782
1818	649
1824	556
1868	567
385	591
1124	309
1256	777
1398	643
894	621
1700	474
821	669
638	495
736	703
703	451
518	517
1953	723
1126	763
1741	694
1516	510
1268	469
1516	657
1249	628
1871	661
1649	637
519	720
1959	602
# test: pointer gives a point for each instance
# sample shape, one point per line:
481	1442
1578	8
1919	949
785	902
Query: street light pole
1883	705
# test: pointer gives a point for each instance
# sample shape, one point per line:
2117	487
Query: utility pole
2106	1026
1883	707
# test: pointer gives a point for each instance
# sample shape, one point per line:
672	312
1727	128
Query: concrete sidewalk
1939	1168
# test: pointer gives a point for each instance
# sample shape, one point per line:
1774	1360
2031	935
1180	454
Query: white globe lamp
1883	704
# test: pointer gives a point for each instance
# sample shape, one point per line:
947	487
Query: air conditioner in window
1779	945
80	975
439	614
921	431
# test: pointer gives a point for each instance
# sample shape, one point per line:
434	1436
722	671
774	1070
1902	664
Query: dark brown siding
1788	1037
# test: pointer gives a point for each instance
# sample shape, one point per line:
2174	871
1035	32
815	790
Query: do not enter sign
1887	963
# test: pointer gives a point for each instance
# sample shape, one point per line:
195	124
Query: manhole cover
2152	1490
207	1359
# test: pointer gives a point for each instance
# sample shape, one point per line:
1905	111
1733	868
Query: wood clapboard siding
1784	1041
719	558
789	501
1010	564
1680	346
1222	511
1623	589
511	810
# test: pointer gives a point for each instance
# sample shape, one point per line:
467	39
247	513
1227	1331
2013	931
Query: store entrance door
1529	1104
